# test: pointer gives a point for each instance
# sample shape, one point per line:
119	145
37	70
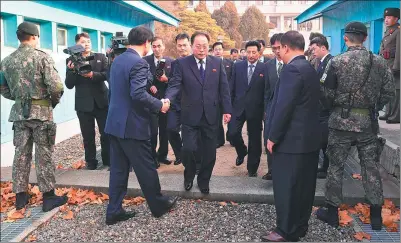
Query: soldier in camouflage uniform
390	50
29	78
356	84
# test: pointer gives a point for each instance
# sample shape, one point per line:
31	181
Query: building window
259	2
61	37
274	20
302	2
216	3
103	44
244	3
288	23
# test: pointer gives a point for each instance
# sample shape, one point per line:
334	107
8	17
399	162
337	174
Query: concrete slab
223	188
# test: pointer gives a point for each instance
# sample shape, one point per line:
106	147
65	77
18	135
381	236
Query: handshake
166	105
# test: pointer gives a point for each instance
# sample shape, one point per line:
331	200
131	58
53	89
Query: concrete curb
35	225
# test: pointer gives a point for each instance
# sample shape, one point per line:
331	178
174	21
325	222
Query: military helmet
395	12
356	28
28	28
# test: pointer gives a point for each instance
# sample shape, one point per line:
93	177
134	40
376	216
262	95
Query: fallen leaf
365	220
64	208
69	215
352	211
9	220
388	204
16	214
361	235
78	165
68	157
357	176
234	204
344	218
31	238
104	196
223	204
392	228
28	214
344	207
60	166
35	190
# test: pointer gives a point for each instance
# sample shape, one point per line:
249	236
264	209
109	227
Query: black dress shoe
177	161
157	163
188	185
164	161
251	174
239	160
22	199
204	190
119	217
268	176
392	122
383	118
91	166
322	175
51	202
170	204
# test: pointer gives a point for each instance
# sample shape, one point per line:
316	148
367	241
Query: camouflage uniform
28	77
345	77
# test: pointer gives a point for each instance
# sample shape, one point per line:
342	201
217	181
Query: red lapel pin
214	70
261	74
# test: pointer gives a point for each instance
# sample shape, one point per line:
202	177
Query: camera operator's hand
163	78
153	89
70	65
88	75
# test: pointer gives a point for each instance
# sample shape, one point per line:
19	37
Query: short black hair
217	44
233	51
355	37
181	37
242	49
210	49
319	41
294	40
262	42
194	35
253	43
139	35
314	35
83	34
155	39
276	37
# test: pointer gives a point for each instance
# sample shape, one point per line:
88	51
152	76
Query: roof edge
314	11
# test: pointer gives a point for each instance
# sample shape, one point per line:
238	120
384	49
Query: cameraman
91	101
157	89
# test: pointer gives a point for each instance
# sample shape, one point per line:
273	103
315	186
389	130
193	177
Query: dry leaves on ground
78	165
357	176
344	217
133	201
362	235
31	238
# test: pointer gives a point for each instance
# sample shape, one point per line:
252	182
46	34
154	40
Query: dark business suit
91	102
270	84
228	64
200	98
248	106
324	115
265	59
159	120
293	127
128	124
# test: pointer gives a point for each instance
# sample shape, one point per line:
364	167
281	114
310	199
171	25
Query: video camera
79	61
160	68
117	46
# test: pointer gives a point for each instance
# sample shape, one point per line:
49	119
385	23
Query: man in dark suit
263	58
158	89
294	140
91	101
128	124
273	71
320	50
202	82
247	92
218	50
234	56
242	54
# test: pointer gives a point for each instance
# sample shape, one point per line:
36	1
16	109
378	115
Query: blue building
59	22
336	14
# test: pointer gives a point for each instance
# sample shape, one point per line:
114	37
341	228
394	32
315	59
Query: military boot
376	217
22	199
51	201
329	215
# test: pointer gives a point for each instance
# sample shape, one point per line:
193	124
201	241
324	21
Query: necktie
201	70
319	68
250	73
280	66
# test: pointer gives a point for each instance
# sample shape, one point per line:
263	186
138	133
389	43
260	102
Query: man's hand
153	89
166	105
163	78
88	75
270	146
227	118
70	65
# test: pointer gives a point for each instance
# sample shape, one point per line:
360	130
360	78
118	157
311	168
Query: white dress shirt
204	63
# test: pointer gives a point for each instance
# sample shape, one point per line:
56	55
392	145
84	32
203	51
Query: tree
253	25
202	7
200	21
227	18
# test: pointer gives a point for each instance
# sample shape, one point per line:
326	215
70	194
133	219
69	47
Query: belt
38	102
360	111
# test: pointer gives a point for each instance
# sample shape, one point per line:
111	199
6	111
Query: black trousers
159	127
393	108
173	131
220	130
324	127
254	127
136	154
87	124
294	184
191	136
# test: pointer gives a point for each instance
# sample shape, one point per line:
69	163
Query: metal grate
11	230
379	236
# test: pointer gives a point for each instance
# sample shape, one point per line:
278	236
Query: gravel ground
190	221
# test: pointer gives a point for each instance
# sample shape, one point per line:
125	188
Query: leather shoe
164	161
392	122
177	161
119	217
240	160
157	163
383	118
272	237
268	176
188	185
170	204
250	174
322	175
205	190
